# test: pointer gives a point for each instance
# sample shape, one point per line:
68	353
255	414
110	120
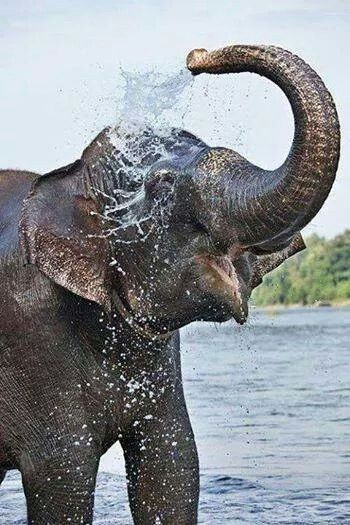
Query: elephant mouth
222	280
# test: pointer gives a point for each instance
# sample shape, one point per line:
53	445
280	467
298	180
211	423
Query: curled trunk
268	207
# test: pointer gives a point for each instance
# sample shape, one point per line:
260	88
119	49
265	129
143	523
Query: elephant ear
61	232
266	263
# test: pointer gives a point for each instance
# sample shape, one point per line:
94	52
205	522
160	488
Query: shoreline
295	306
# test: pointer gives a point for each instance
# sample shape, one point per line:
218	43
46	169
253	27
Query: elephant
99	270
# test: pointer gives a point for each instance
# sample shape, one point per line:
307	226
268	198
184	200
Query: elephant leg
60	490
162	469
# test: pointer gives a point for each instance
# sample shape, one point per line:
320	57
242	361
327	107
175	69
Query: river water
270	406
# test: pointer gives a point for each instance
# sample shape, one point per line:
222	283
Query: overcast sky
60	74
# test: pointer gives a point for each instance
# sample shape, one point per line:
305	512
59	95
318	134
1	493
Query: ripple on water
224	500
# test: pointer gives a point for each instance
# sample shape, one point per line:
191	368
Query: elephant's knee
63	467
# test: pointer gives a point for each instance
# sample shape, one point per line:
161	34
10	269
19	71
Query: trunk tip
197	60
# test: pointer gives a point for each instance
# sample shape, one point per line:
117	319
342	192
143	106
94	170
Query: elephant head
192	238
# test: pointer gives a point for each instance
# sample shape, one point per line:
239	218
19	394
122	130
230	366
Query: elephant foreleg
60	490
162	469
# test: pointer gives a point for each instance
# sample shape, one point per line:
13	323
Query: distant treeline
321	273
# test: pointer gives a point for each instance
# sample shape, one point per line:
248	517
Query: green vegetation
321	273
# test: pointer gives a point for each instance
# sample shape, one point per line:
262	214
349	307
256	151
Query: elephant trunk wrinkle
273	205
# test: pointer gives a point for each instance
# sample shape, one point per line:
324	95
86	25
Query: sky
60	75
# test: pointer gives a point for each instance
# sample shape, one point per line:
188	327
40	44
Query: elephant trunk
268	207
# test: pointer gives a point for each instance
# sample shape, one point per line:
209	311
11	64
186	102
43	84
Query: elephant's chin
220	280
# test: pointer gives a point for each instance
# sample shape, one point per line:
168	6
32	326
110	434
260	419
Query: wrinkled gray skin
89	351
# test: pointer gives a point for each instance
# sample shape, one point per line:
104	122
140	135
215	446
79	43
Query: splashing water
151	106
151	98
